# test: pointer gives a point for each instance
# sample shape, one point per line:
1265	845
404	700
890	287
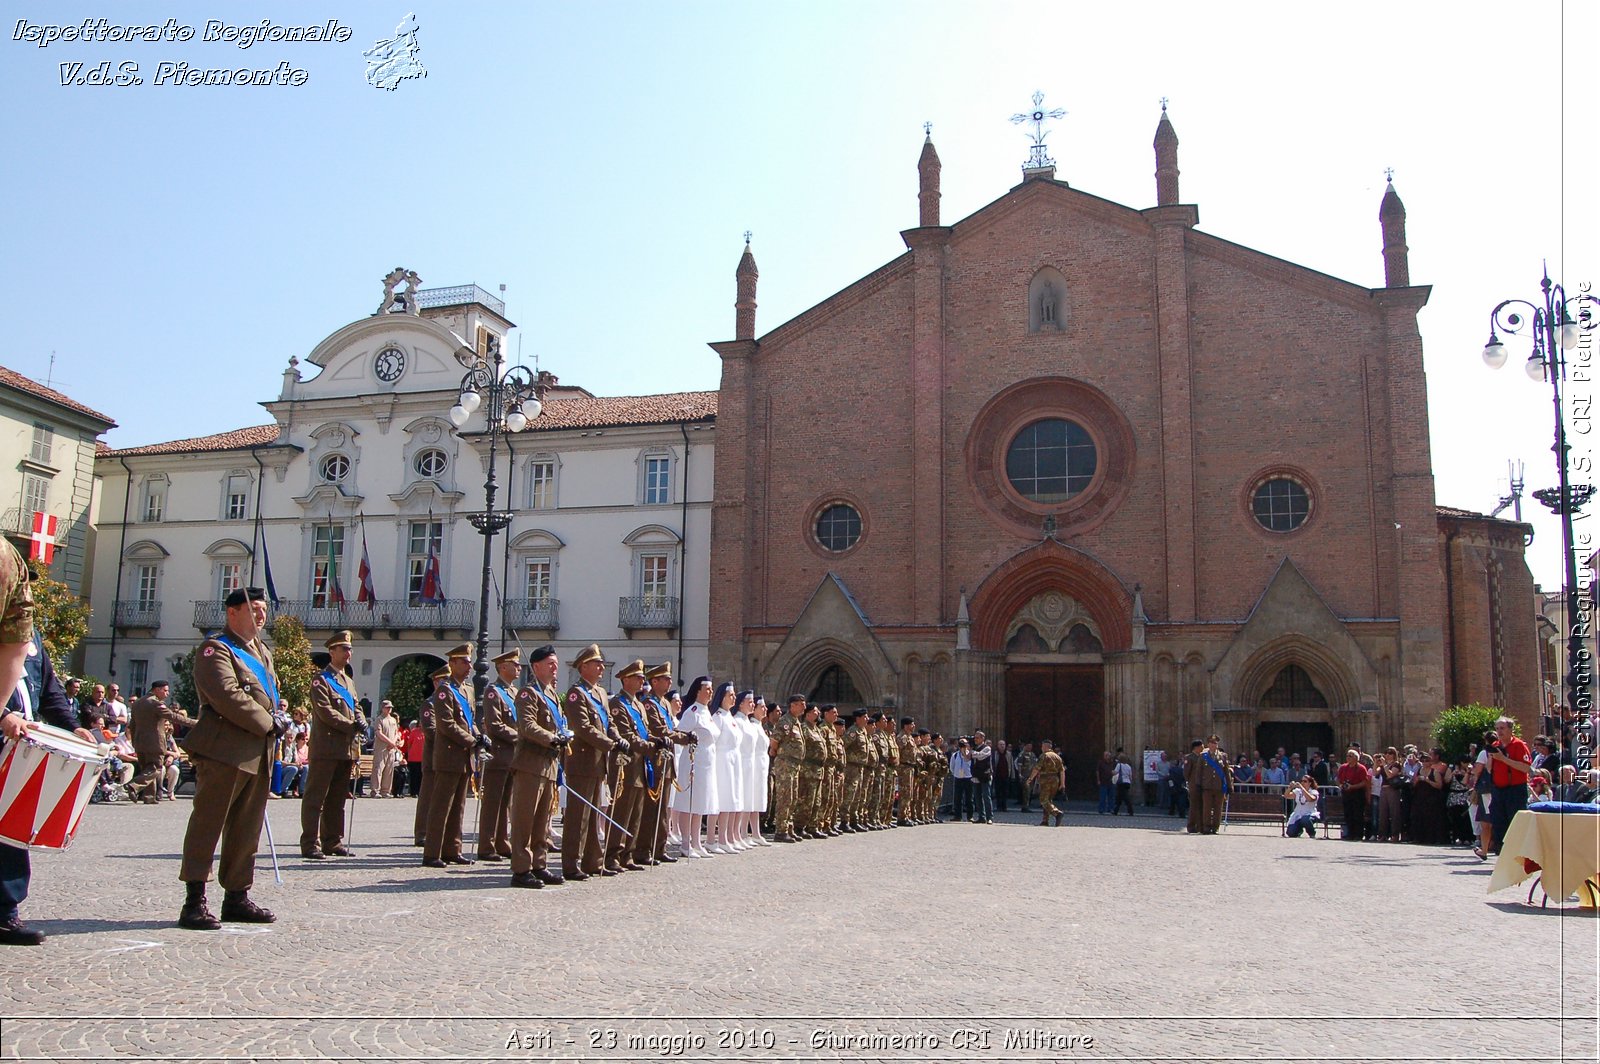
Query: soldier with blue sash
230	747
594	737
635	774
542	737
498	723
455	734
337	727
651	846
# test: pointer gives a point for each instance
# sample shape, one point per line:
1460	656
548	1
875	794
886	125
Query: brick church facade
1075	470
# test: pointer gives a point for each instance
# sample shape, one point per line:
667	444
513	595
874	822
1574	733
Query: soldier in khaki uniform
633	775
337	727
594	737
455	734
542	736
419	824
651	847
891	772
498	722
230	747
790	736
1051	775
145	717
880	772
832	757
906	757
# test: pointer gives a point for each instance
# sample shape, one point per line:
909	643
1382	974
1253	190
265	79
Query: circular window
431	463
1050	460
839	527
1280	504
335	468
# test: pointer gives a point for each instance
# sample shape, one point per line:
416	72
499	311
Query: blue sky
175	245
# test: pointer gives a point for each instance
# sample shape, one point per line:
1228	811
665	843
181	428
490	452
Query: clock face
390	364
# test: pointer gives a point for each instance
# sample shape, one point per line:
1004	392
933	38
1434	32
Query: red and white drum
46	778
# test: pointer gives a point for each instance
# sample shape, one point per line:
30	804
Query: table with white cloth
1566	848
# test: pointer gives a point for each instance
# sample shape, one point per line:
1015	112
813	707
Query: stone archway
1038	571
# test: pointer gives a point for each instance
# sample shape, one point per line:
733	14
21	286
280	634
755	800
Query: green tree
61	617
406	686
183	690
1460	726
291	656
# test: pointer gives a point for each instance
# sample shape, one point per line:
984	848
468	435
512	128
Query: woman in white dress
725	764
755	762
696	770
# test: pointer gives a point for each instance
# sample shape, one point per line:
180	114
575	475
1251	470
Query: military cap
339	639
664	669
632	668
240	595
540	653
588	654
510	657
906	720
462	651
857	714
874	717
440	673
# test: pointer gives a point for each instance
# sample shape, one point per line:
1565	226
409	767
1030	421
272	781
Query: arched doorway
1293	695
1050	615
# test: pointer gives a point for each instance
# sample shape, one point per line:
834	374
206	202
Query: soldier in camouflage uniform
926	766
1050	774
1025	762
812	766
941	772
891	771
858	764
906	753
791	752
833	729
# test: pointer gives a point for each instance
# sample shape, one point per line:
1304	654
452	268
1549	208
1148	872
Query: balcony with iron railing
18	521
394	614
137	614
647	611
533	614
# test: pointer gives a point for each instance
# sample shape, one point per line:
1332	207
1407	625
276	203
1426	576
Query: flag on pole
42	544
335	594
364	574
266	562
432	582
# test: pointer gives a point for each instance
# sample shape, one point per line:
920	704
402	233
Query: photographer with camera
982	778
1510	762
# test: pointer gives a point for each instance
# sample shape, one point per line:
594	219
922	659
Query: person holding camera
961	779
1510	762
982	777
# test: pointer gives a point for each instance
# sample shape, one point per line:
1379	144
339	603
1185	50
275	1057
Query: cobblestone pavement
945	942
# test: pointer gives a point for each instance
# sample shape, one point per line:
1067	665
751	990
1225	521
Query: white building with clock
610	500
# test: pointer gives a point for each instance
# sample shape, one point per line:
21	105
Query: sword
272	847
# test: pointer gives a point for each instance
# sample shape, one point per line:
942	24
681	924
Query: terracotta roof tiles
238	439
617	411
34	388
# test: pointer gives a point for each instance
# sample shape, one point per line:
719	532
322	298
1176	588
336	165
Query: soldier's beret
540	653
857	714
240	595
906	720
874	717
510	657
340	639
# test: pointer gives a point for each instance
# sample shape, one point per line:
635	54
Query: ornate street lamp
511	399
1556	328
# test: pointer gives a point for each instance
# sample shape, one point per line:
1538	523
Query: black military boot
239	909
196	915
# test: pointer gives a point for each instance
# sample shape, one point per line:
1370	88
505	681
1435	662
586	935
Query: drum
46	778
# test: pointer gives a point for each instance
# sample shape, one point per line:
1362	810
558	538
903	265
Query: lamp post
1556	328
510	399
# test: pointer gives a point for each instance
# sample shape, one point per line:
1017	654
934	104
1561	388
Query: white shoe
718	848
695	854
760	840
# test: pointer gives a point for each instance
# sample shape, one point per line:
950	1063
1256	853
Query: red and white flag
364	574
42	544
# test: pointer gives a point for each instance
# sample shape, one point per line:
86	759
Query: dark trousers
1124	798
424	778
1508	802
964	807
1002	791
14	874
322	807
1355	814
413	778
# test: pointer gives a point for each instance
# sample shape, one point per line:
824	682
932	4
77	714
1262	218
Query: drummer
37	696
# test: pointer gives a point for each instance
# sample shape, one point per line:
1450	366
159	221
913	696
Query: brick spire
744	306
1392	215
928	180
1166	159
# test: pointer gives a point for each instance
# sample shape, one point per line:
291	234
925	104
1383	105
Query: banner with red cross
42	543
